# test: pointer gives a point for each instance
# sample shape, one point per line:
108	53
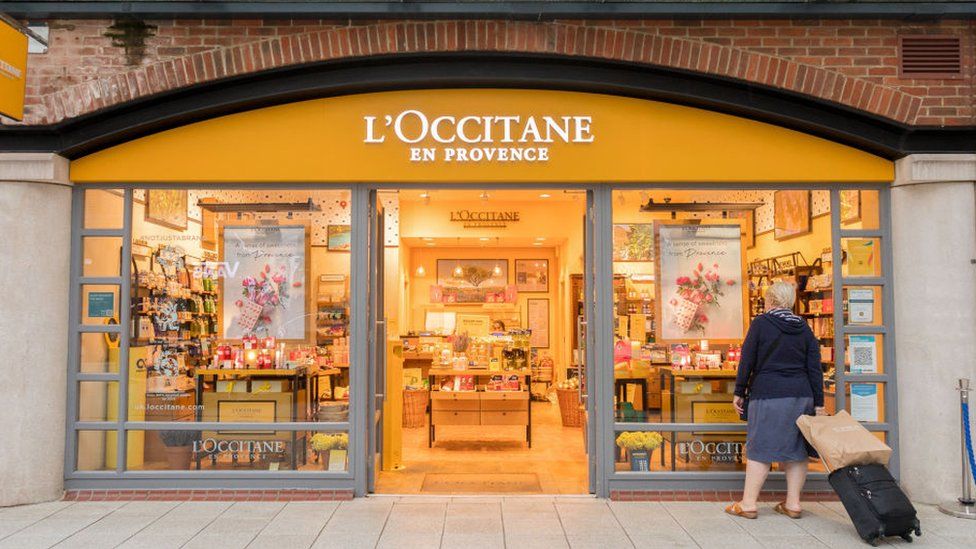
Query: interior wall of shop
35	218
562	248
934	263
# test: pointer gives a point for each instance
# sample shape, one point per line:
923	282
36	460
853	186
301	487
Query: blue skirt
772	434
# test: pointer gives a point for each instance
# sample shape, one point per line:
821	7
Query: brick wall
847	61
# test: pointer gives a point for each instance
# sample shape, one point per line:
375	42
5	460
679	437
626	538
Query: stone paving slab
444	522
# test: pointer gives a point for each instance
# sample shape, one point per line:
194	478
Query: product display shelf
152	295
479	407
332	325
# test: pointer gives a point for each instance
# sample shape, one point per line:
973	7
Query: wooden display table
289	397
479	407
697	406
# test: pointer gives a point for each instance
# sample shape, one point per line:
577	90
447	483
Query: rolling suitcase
875	503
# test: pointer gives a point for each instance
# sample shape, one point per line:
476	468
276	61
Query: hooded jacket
792	369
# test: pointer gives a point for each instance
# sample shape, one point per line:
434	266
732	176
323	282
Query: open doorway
478	360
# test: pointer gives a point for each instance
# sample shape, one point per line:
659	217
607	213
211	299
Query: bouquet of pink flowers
261	295
695	294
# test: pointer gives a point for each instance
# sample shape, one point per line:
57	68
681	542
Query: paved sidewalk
469	523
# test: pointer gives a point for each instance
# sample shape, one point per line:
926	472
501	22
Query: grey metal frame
599	358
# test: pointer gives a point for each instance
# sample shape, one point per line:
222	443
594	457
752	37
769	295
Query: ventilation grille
930	56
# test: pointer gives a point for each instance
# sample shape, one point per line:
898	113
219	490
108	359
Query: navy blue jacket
793	370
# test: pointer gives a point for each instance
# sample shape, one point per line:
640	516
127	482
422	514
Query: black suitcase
876	504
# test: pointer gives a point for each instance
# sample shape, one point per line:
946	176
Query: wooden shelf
250	372
701	373
475	372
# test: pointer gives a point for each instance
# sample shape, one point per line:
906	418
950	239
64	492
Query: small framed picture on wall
850	206
532	275
791	214
167	207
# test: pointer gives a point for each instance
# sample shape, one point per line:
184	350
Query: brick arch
556	38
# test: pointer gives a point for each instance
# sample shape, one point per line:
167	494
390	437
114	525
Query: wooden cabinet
480	408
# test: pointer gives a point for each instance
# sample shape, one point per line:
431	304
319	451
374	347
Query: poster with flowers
700	272
264	272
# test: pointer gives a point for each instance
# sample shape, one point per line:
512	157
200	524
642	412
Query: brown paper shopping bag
841	441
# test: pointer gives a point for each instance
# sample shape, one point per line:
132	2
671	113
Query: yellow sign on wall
481	135
13	71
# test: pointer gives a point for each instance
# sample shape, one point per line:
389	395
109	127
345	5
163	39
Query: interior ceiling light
428	238
484	195
421	271
537	243
484	239
545	195
540	238
497	270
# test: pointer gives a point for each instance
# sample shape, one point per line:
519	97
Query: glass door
376	340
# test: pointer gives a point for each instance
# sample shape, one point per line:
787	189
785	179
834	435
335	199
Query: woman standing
780	372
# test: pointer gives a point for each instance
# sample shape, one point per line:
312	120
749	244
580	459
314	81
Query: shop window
655	451
866	401
98	400
206	450
99	353
104	208
862	306
690	271
101	256
864	354
862	257
240	306
96	450
100	304
860	209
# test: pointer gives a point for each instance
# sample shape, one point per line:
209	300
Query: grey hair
780	294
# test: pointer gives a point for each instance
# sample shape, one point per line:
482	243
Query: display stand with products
504	400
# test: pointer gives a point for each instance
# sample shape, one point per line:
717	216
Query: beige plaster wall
35	216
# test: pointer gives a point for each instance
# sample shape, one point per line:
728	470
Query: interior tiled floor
489	456
537	522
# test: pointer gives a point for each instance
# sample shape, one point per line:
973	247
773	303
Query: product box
231	386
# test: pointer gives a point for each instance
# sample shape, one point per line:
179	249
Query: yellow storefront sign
13	71
483	136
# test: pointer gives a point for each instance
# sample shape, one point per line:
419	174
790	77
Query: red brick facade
853	62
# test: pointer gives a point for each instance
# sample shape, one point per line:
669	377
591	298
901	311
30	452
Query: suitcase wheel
918	531
875	542
907	537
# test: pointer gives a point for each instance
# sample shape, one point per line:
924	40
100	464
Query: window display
684	298
238	317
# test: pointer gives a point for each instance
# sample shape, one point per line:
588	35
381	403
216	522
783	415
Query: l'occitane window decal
478	138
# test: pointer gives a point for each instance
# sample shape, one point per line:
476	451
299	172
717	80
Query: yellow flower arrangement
639	440
321	442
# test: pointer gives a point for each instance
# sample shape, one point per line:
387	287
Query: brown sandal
736	510
781	509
